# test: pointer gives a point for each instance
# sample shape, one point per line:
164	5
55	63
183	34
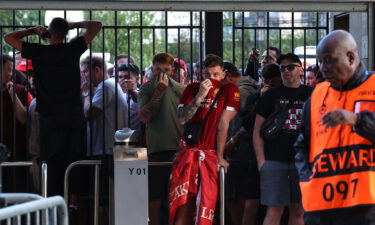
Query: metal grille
135	33
33	209
284	30
141	34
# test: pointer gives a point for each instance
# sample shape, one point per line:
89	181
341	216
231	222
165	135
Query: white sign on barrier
131	186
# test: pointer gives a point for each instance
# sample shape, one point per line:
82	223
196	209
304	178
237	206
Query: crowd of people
318	163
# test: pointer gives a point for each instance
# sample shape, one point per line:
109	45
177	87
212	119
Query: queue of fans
67	108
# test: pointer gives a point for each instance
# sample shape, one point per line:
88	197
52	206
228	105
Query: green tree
127	34
244	40
23	19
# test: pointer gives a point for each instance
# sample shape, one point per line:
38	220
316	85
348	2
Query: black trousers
61	146
360	215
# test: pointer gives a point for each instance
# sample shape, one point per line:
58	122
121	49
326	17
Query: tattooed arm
149	110
187	112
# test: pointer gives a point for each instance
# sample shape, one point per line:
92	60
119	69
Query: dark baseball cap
289	56
230	68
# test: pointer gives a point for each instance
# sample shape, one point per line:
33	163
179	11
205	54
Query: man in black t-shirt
278	175
58	92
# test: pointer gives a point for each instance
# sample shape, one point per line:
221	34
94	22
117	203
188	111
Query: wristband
358	120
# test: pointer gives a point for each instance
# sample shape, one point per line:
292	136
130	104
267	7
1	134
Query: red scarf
194	174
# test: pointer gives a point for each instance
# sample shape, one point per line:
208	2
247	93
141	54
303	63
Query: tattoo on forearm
187	112
148	111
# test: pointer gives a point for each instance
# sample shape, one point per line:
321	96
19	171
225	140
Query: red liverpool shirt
229	99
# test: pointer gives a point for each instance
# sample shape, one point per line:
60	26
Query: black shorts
158	176
56	167
242	181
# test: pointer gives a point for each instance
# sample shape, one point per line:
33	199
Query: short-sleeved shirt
133	113
281	149
58	80
105	100
164	130
229	99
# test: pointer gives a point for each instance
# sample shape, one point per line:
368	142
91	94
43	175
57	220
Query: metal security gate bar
142	34
139	34
296	32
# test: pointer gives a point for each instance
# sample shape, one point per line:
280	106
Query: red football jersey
229	99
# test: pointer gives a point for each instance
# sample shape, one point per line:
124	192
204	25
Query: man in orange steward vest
336	149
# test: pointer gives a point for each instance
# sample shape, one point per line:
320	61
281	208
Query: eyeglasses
289	67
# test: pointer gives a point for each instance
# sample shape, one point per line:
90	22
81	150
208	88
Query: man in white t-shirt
103	111
103	119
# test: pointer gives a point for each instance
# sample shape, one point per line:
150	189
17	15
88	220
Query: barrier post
96	198
96	163
44	179
1	179
222	195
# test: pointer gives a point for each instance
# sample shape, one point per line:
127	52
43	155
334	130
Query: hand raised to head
254	54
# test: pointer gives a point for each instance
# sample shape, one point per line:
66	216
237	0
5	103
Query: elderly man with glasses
278	175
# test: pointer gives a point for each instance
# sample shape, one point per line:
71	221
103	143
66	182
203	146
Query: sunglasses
289	67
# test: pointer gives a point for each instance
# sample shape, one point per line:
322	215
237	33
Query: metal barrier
160	163
11	164
53	210
95	163
15	198
222	195
44	179
16	164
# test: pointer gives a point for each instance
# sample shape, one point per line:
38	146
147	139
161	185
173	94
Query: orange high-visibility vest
343	171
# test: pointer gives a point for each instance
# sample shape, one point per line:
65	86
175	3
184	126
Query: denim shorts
279	184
